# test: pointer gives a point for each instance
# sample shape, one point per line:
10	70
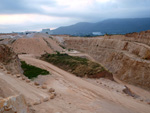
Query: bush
32	71
79	66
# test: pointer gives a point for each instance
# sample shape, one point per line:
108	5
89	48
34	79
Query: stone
9	59
45	99
18	75
23	78
28	81
141	100
8	72
36	83
52	96
54	93
13	104
51	90
1	67
44	87
37	102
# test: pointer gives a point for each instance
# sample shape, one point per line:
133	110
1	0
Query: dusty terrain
9	60
126	58
74	94
89	96
32	44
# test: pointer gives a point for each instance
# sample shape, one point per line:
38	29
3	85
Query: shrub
32	71
77	65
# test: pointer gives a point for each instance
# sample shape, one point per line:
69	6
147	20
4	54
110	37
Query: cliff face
9	60
143	34
13	104
128	60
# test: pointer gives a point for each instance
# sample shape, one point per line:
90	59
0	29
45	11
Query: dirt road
31	93
79	96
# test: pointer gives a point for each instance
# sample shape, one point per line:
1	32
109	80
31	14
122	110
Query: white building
97	33
46	31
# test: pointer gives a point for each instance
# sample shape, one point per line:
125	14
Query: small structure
46	31
97	33
29	32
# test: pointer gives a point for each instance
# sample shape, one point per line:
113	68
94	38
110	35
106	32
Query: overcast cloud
22	15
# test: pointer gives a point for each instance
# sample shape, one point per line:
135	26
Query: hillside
32	44
9	60
126	57
110	26
78	66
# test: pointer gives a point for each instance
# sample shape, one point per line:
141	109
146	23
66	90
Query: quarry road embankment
101	100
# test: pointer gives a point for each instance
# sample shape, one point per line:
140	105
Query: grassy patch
79	66
1	39
32	71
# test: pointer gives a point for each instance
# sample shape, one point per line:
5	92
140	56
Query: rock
1	67
9	59
23	78
13	104
8	72
45	99
44	87
141	100
37	102
52	96
18	75
28	81
36	83
54	93
51	90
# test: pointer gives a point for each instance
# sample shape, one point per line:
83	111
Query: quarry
102	74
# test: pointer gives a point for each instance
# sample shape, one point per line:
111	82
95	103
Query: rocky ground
62	92
126	58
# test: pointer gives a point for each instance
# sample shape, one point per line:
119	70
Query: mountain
110	26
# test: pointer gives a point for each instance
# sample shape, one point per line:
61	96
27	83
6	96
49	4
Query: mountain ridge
110	26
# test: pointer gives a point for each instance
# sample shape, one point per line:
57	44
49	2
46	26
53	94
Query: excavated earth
62	92
128	60
32	44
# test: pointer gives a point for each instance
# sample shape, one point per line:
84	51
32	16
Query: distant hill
110	26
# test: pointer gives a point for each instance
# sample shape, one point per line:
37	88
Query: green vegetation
79	66
32	71
1	39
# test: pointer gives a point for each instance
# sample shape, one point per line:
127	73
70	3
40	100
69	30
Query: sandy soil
36	43
81	96
16	85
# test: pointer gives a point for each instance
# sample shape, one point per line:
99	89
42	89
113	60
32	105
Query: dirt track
79	96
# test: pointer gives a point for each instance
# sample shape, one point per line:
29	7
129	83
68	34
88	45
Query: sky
34	15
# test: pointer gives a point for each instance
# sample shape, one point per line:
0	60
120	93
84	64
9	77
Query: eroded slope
128	60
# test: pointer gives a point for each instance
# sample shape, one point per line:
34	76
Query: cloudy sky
22	15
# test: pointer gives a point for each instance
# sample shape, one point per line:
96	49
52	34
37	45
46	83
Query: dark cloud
93	12
34	6
23	6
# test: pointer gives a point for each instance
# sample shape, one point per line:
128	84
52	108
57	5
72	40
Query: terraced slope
128	60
